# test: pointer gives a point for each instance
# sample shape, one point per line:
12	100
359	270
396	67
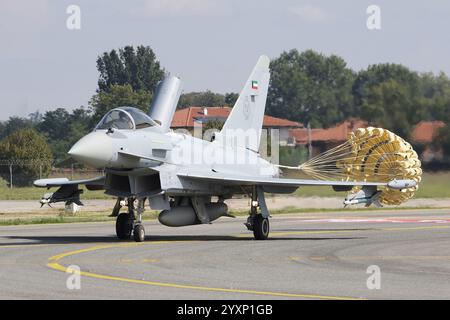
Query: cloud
177	8
311	13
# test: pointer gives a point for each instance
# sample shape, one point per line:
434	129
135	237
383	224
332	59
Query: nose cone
95	149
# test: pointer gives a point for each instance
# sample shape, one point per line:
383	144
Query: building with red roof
324	139
337	134
426	131
423	133
296	134
187	118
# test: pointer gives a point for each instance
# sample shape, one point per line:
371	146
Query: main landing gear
131	222
257	222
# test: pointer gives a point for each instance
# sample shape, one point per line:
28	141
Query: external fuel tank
185	215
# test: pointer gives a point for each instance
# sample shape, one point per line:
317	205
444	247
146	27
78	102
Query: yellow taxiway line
54	264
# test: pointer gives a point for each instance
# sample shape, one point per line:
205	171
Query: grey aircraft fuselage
180	174
143	152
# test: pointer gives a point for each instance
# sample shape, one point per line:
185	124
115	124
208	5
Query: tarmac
384	254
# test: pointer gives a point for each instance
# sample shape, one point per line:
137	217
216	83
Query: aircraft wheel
124	226
261	227
139	233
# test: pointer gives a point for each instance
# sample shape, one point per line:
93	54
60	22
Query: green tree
390	106
80	124
35	117
201	99
31	154
231	98
138	68
378	73
215	124
118	96
435	98
390	96
14	124
54	124
310	87
442	141
62	129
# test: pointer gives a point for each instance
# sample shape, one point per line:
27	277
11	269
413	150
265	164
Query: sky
210	44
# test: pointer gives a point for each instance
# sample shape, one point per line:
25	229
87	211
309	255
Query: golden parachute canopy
370	155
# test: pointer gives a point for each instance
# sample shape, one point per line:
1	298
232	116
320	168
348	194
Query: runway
308	256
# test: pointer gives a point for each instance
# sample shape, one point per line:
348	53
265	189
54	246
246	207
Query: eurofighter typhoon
186	178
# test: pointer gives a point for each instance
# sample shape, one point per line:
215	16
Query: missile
367	196
368	201
46	199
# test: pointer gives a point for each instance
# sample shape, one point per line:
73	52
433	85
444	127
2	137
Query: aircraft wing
91	184
230	179
68	191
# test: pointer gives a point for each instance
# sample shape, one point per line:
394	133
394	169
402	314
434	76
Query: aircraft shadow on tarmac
176	238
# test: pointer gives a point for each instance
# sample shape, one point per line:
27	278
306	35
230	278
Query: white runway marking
380	220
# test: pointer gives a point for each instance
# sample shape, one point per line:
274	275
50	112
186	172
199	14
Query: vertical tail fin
246	119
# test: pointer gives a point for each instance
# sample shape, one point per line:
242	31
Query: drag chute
369	155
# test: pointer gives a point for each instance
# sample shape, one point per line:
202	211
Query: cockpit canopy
125	118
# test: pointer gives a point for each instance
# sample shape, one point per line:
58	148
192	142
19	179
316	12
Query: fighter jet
184	177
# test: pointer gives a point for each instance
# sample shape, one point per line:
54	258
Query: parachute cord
370	154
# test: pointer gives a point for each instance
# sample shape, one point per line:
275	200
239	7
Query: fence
13	174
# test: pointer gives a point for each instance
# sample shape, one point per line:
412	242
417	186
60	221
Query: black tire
139	233
124	226
261	227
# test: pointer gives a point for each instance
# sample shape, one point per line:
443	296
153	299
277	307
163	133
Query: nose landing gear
124	226
139	233
131	222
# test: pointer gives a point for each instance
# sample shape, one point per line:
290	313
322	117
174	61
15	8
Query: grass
63	218
33	193
433	185
49	220
103	216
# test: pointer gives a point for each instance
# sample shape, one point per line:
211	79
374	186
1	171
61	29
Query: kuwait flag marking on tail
255	85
